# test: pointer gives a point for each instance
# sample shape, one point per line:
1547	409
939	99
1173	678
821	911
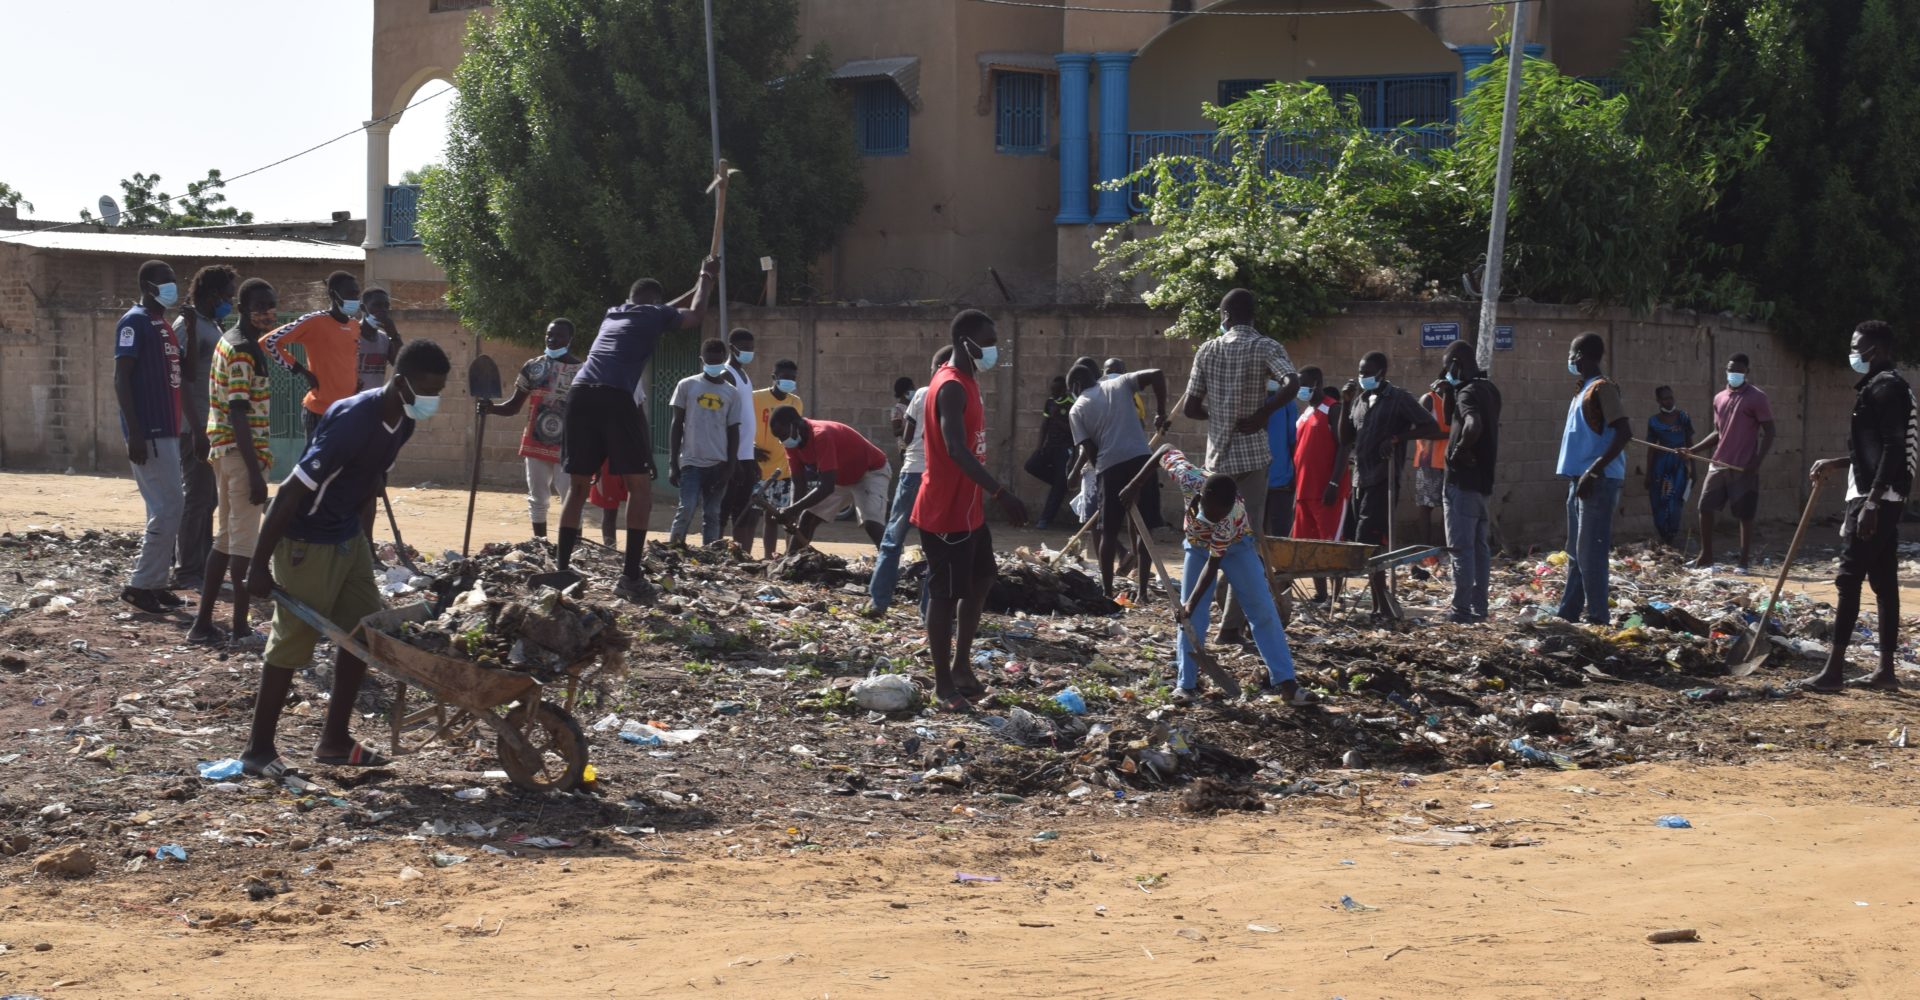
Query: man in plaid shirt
1238	378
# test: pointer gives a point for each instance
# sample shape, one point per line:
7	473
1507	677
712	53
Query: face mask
792	442
223	310
1305	394
1368	383
1859	363
349	307
1666	409
1735	380
556	353
714	371
989	356
785	385
744	356
1224	328
1452	379
422	407
166	294
1324	407
1273	386
1572	368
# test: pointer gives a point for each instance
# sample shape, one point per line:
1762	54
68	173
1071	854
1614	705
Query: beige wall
412	44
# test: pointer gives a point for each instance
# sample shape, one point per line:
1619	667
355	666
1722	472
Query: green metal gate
677	357
286	433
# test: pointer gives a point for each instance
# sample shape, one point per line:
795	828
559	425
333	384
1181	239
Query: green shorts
335	580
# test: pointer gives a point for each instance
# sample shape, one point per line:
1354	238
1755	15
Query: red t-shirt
836	448
1313	457
948	500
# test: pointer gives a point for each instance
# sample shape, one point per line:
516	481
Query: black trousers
1874	560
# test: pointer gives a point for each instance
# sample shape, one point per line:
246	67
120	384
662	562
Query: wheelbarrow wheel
553	752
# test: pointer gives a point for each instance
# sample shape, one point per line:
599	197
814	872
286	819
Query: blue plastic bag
1672	822
1071	701
221	770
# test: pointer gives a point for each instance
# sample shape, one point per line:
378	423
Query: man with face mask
950	510
379	341
1668	477
544	381
146	381
708	416
315	546
769	453
331	337
1883	455
1742	435
210	302
1591	457
845	468
1379	422
1472	449
737	508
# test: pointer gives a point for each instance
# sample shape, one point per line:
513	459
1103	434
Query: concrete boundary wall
59	410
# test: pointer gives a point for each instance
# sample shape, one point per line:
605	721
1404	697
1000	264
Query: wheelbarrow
1289	559
539	744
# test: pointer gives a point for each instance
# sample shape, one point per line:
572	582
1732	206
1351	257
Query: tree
419	175
578	154
143	206
1823	221
12	198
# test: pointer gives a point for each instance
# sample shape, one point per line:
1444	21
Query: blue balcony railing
1282	152
402	214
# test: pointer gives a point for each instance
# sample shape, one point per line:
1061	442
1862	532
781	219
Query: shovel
1153	446
1753	661
483	382
1208	665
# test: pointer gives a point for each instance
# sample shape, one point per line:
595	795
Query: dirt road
1798	876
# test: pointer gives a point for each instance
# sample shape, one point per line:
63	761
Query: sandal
1868	683
273	770
359	756
217	638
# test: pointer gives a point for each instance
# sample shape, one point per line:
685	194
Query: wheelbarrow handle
307	614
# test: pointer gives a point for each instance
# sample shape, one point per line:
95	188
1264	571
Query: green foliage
143	206
419	175
1302	241
578	156
1823	222
10	197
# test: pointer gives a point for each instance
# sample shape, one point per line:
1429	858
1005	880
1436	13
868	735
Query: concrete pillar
1472	57
1075	131
377	135
1114	66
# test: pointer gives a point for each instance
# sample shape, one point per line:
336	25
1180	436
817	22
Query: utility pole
1502	184
713	126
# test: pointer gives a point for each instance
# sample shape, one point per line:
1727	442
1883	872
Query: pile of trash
544	634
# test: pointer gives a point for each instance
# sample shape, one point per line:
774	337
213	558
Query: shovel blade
1746	667
483	378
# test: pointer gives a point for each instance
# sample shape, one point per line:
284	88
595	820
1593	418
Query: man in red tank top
950	511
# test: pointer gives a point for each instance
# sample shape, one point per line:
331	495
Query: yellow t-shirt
764	403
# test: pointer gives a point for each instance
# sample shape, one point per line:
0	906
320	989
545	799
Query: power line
224	181
1256	13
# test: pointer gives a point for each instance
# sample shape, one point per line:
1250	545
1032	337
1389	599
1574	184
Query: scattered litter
1352	905
964	877
1673	822
221	770
1673	935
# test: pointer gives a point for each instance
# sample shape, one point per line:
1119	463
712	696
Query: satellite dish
109	210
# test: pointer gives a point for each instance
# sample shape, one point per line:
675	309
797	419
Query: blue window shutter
1391	101
1020	113
880	118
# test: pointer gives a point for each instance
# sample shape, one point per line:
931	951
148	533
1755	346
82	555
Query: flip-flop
273	770
1812	688
1867	683
359	756
215	639
957	705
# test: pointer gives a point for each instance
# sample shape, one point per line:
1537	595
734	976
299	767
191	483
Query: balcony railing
1282	152
403	211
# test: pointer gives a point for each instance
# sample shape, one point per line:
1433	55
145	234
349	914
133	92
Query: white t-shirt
745	386
916	460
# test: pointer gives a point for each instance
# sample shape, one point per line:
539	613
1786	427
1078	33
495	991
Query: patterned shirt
546	381
1215	537
1230	375
155	350
238	373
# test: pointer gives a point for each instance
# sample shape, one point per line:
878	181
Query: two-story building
987	128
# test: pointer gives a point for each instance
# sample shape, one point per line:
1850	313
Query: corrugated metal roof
904	71
152	244
1035	62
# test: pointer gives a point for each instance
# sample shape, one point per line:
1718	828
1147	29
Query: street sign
1503	338
1438	334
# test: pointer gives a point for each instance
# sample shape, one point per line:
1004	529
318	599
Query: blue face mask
1305	394
1572	368
166	294
714	371
744	357
1273	386
349	307
1858	363
785	385
989	356
792	442
1735	380
1224	328
556	353
223	310
1452	379
422	407
1368	383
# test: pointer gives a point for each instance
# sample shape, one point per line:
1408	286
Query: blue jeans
1589	544
1466	517
701	488
886	568
1248	577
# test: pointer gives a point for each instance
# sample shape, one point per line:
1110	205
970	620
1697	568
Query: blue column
1472	57
1112	206
1075	130
1534	51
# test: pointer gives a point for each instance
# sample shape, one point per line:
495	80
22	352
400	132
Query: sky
77	122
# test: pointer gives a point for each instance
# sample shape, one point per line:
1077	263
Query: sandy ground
1800	878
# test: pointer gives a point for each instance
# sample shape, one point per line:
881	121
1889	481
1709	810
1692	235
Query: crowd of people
1287	453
